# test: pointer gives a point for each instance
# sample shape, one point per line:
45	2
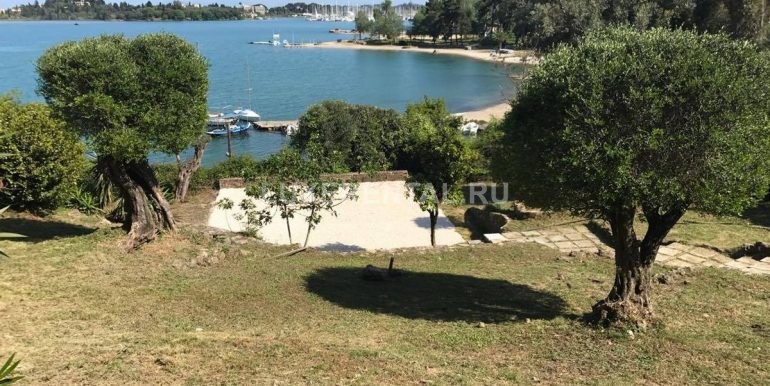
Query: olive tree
128	98
651	124
436	155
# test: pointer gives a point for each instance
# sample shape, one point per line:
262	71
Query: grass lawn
78	310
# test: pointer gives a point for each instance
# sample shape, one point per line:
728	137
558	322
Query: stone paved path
579	238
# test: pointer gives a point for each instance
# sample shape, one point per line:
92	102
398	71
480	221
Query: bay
278	83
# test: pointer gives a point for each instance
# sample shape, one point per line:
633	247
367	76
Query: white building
255	11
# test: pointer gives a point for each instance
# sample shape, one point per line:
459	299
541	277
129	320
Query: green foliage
660	119
345	137
202	178
43	159
447	18
432	148
6	371
243	166
543	24
99	10
489	146
128	97
363	24
85	202
387	22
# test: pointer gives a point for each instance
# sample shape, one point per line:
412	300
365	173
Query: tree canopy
435	153
128	98
542	24
387	22
348	137
658	121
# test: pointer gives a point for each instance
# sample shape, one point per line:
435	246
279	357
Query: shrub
44	159
243	166
348	137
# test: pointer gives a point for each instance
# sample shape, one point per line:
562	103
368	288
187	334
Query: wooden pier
277	126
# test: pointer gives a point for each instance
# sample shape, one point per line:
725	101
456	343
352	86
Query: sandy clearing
382	218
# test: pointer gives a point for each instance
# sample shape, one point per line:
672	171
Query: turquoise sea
276	82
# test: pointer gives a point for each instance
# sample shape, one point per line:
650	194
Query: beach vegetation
537	24
387	22
127	98
631	126
363	24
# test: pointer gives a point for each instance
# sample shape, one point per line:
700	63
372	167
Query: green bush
345	137
243	166
44	159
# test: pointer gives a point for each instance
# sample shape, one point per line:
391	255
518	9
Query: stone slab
585	244
494	238
565	244
695	260
678	263
703	252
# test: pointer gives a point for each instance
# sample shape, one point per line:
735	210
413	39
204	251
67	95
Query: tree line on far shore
542	24
100	10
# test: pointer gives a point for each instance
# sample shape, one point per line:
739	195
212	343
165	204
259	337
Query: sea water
278	83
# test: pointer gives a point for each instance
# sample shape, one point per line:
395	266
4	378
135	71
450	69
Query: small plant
7	370
293	188
251	218
85	202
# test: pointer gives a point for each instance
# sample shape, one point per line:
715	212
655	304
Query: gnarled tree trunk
147	211
187	170
628	301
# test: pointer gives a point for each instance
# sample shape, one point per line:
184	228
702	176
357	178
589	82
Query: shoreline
495	112
486	55
486	114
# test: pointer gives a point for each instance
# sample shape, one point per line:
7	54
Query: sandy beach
481	54
496	112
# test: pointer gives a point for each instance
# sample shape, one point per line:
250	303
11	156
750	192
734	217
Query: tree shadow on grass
39	230
442	223
436	296
340	247
759	215
601	232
